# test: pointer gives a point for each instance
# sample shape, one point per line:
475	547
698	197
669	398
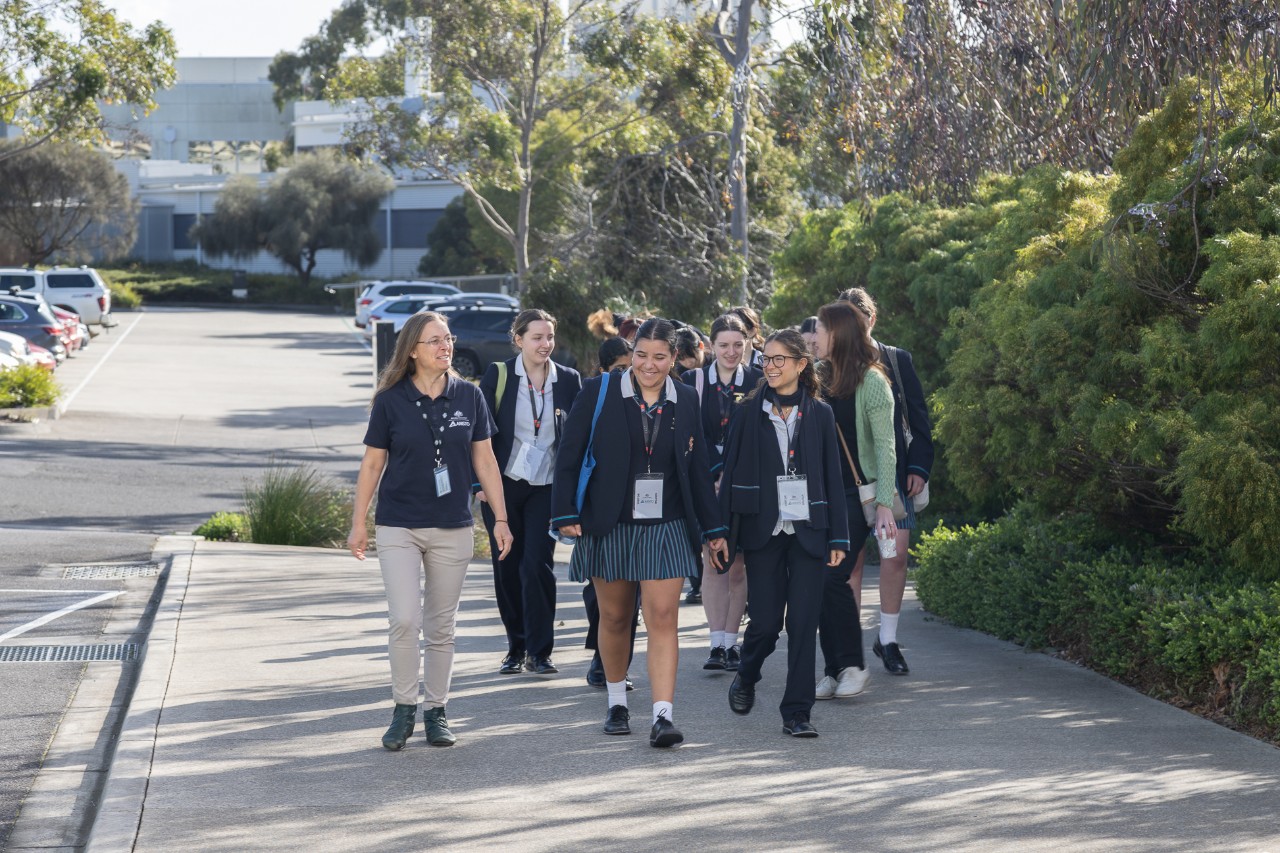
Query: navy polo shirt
403	422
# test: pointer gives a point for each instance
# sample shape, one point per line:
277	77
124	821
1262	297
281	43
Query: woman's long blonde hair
401	365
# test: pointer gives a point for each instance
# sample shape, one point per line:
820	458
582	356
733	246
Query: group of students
739	462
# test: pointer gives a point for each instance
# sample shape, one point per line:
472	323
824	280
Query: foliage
321	202
297	506
189	282
451	249
925	96
63	202
1125	362
123	296
27	386
225	527
60	60
1179	629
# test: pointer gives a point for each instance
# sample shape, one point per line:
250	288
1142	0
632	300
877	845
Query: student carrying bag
589	459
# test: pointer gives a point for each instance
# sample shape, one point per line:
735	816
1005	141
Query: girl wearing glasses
721	386
646	509
426	444
858	390
782	488
529	396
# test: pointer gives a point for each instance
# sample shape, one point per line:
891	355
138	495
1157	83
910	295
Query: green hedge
188	282
1178	629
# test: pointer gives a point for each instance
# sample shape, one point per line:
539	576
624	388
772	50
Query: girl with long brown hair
855	385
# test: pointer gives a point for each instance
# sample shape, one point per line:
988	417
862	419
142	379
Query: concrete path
264	693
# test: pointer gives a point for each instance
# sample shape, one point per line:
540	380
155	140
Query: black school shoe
716	659
892	657
512	663
742	696
540	666
799	727
733	658
618	722
664	733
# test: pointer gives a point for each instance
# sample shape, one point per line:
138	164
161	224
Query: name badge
442	481
527	463
647	500
793	497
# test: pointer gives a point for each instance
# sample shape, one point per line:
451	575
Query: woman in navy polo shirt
427	444
721	385
646	510
529	395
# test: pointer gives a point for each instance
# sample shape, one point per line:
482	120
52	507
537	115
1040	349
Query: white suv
78	289
376	291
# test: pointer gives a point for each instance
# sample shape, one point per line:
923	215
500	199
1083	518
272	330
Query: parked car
17	348
77	289
44	358
71	336
398	309
481	300
33	322
376	291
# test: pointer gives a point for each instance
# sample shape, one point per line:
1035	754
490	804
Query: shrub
225	527
27	386
297	506
123	295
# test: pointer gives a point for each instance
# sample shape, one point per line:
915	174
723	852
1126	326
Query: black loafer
541	666
618	722
595	673
892	658
733	658
664	733
716	659
742	696
402	723
512	664
692	597
799	728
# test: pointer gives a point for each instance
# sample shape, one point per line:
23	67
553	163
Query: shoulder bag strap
604	389
899	391
848	455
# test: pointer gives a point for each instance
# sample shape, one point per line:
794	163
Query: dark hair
401	365
611	350
526	318
627	328
751	320
658	329
689	345
860	299
808	325
796	346
728	323
851	352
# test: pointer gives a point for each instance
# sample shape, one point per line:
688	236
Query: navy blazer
607	492
917	459
751	377
819	459
563	392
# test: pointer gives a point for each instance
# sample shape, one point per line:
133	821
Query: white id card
793	497
528	460
442	481
647	500
720	449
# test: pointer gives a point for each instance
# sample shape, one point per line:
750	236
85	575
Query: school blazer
607	494
751	377
563	392
828	526
918	458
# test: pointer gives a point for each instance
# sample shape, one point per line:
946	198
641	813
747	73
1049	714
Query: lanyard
537	415
724	399
650	417
429	413
793	435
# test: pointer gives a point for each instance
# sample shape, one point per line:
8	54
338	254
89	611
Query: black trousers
525	581
786	584
840	625
592	605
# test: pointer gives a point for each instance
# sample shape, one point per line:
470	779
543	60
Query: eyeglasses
436	343
780	360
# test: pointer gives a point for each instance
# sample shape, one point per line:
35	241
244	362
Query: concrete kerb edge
115	827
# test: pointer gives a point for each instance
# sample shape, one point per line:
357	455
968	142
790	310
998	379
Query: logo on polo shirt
459	420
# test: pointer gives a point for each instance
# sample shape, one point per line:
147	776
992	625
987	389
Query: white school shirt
782	431
523	432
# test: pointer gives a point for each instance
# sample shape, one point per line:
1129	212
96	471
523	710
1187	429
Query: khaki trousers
429	609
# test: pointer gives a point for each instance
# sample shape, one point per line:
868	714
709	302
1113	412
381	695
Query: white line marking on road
94	531
57	591
57	614
356	333
67	404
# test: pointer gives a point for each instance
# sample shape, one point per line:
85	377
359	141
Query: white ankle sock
730	639
617	692
662	709
888	628
717	639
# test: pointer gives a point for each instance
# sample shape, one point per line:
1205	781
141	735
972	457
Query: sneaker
852	681
733	658
826	688
716	659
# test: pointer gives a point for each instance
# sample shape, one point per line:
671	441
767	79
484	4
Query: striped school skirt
634	552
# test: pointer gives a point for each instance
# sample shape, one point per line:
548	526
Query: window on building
182	225
409	228
237	156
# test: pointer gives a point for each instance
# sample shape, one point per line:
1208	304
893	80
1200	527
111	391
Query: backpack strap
701	382
899	391
502	386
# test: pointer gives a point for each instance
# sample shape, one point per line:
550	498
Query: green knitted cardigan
873	405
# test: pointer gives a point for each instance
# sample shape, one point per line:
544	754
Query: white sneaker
826	688
852	681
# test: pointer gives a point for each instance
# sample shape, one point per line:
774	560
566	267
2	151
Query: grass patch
187	281
27	386
225	527
123	296
297	506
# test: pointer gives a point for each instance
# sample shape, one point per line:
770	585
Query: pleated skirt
634	552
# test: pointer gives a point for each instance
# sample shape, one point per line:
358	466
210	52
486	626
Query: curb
115	827
34	416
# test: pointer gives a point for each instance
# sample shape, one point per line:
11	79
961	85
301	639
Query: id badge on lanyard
442	480
528	461
793	497
646	502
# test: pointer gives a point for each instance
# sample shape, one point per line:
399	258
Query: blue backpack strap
589	459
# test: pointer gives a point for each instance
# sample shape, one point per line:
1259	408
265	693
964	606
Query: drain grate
110	572
69	654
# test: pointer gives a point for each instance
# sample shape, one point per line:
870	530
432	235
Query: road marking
56	591
356	333
70	397
95	531
57	614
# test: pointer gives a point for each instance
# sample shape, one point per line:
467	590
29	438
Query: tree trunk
738	56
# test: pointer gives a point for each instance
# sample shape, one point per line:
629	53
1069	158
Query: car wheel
466	364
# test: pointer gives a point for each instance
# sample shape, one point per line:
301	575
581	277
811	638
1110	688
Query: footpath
264	692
